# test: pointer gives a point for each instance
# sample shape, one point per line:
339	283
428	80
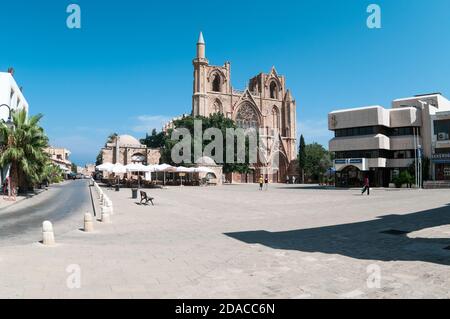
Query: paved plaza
238	242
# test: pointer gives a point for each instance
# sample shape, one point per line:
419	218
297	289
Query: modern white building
10	95
379	143
11	100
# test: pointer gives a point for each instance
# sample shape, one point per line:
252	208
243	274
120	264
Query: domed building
126	149
208	162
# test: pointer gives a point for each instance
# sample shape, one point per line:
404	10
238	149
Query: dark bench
145	199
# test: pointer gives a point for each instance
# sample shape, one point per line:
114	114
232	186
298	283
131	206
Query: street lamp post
10	124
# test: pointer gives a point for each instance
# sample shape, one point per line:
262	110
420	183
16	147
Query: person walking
266	181
261	182
366	186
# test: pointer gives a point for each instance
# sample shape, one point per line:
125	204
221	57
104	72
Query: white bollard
106	215
88	223
48	236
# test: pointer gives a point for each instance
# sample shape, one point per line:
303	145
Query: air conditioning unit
442	137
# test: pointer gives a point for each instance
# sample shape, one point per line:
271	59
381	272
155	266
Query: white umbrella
139	168
105	167
182	169
165	168
119	169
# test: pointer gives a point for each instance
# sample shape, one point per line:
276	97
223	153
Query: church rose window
247	117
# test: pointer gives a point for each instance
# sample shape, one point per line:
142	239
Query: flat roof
417	97
359	109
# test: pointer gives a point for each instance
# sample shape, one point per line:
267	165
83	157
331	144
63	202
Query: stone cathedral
265	104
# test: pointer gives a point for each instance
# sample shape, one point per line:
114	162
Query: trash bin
117	188
134	193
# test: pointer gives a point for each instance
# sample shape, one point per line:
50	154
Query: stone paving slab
238	242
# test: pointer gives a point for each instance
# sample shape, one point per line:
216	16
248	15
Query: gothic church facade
266	104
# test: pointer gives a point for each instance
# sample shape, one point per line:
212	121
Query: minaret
201	47
200	97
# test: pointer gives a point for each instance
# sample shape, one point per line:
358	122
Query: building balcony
354	143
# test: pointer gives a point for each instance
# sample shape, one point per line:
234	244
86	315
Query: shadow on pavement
383	239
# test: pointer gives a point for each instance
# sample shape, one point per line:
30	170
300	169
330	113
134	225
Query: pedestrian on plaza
261	182
366	186
266	181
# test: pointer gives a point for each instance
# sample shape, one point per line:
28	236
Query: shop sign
441	156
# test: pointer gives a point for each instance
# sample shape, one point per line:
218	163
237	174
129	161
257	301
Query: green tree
111	138
74	168
52	173
317	161
405	177
99	159
302	158
25	149
216	120
155	140
426	164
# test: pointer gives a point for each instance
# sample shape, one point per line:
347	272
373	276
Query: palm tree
26	142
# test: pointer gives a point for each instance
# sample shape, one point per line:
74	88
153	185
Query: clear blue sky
130	66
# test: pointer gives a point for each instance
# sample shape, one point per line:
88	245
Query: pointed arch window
217	83
247	117
273	90
275	118
217	107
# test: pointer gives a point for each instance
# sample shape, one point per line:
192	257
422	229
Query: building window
372	130
138	158
442	130
216	85
405	154
275	118
247	117
356	131
273	90
217	107
404	131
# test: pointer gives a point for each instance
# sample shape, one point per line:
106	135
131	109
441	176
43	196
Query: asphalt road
64	205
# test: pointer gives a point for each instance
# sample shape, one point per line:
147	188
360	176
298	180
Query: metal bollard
48	236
